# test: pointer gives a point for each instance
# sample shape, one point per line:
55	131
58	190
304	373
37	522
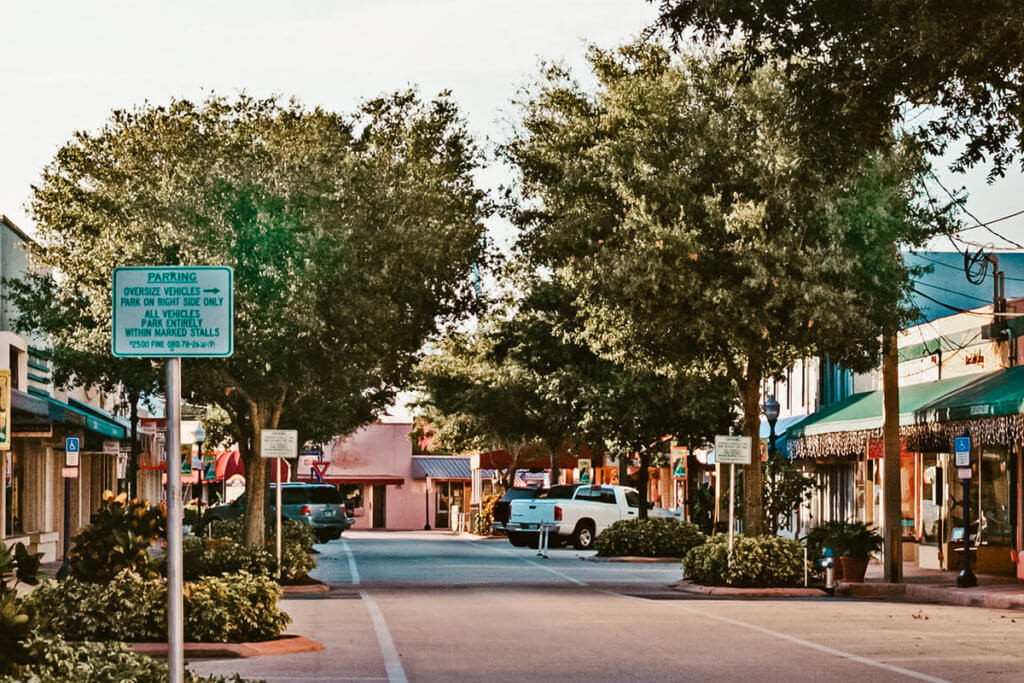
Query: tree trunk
555	472
753	493
262	417
133	443
891	508
642	479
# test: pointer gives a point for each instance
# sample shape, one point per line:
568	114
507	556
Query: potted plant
826	535
855	542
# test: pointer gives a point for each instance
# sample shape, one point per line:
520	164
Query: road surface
427	606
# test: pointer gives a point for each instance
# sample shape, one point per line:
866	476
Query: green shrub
652	537
54	659
761	561
296	548
17	619
232	608
118	537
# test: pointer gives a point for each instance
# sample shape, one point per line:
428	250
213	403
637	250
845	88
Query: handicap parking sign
962	451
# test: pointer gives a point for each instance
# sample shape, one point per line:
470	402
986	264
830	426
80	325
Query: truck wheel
517	539
583	537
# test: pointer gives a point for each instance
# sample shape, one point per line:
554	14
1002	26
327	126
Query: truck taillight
306	510
344	510
558	514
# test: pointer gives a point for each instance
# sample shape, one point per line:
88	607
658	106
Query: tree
695	225
351	237
79	355
858	69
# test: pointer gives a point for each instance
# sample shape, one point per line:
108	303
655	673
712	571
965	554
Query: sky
66	65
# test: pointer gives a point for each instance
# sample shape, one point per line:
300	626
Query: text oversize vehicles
577	520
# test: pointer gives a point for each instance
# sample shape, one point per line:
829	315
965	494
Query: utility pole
891	513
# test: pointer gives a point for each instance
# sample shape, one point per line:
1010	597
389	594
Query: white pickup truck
577	520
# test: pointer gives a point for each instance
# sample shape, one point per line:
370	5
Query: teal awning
994	394
98	420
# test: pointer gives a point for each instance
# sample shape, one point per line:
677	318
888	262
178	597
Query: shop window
352	496
15	484
930	512
908	502
995	497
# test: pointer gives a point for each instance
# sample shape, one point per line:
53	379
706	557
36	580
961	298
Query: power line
964	310
951	291
980	223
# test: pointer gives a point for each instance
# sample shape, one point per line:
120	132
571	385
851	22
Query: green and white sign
165	311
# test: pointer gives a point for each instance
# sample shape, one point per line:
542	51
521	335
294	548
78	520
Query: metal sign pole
277	507
732	505
175	600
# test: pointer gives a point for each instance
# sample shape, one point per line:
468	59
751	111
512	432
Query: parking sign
962	451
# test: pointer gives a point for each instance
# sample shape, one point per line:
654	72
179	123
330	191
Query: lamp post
771	413
199	436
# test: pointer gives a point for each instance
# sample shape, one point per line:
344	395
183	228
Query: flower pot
853	569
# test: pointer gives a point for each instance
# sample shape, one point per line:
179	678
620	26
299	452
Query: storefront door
442	504
380	506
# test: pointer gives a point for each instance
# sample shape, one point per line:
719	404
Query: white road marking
792	639
578	582
352	569
392	663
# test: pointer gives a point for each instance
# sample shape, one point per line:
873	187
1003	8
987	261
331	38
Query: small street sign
69	472
111	446
279	443
319	470
962	451
173	311
71	452
963	472
732	450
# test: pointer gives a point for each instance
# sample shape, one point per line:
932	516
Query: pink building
385	486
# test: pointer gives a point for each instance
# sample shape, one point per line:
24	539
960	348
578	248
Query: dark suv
318	505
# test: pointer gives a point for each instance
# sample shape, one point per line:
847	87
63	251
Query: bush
652	537
54	659
761	561
296	548
17	565
118	537
227	557
232	608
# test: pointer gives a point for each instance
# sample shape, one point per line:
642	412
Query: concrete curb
306	588
285	645
942	595
685	586
633	558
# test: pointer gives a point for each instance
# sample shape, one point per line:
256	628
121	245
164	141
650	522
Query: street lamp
771	412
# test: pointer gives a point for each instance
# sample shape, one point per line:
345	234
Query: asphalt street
434	607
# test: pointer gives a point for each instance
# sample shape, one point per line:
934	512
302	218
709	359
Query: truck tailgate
528	514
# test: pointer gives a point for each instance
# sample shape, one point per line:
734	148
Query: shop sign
186	459
122	466
680	469
111	447
962	451
678	452
5	410
584	465
209	467
732	450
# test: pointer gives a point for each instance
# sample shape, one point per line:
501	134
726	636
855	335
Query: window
562	492
632	499
293	495
14	365
352	495
325	495
520	494
605	496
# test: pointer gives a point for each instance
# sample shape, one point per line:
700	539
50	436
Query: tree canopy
352	237
858	68
694	225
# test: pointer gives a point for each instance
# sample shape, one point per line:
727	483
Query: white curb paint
353	570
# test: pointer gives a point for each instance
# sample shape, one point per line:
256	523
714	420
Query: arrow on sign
213	290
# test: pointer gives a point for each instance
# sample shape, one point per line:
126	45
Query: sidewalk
936	586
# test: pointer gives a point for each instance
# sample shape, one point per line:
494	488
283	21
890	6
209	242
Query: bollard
805	566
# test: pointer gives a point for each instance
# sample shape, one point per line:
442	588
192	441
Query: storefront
987	407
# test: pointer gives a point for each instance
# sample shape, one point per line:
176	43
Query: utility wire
964	310
980	222
951	291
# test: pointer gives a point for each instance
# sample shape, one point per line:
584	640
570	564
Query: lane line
392	663
352	569
505	551
793	639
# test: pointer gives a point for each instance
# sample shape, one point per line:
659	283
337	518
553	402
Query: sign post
732	450
173	312
962	460
278	444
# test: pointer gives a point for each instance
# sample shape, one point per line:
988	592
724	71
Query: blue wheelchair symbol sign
71	444
962	451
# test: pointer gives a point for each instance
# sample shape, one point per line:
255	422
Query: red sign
320	468
876	449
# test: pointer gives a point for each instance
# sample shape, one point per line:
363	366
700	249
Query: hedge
232	608
652	537
761	561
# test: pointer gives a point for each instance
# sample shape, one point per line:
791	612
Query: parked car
318	505
503	506
577	519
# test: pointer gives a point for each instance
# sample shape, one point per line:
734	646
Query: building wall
381	449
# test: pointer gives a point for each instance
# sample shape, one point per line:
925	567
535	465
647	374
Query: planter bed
691	588
285	645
